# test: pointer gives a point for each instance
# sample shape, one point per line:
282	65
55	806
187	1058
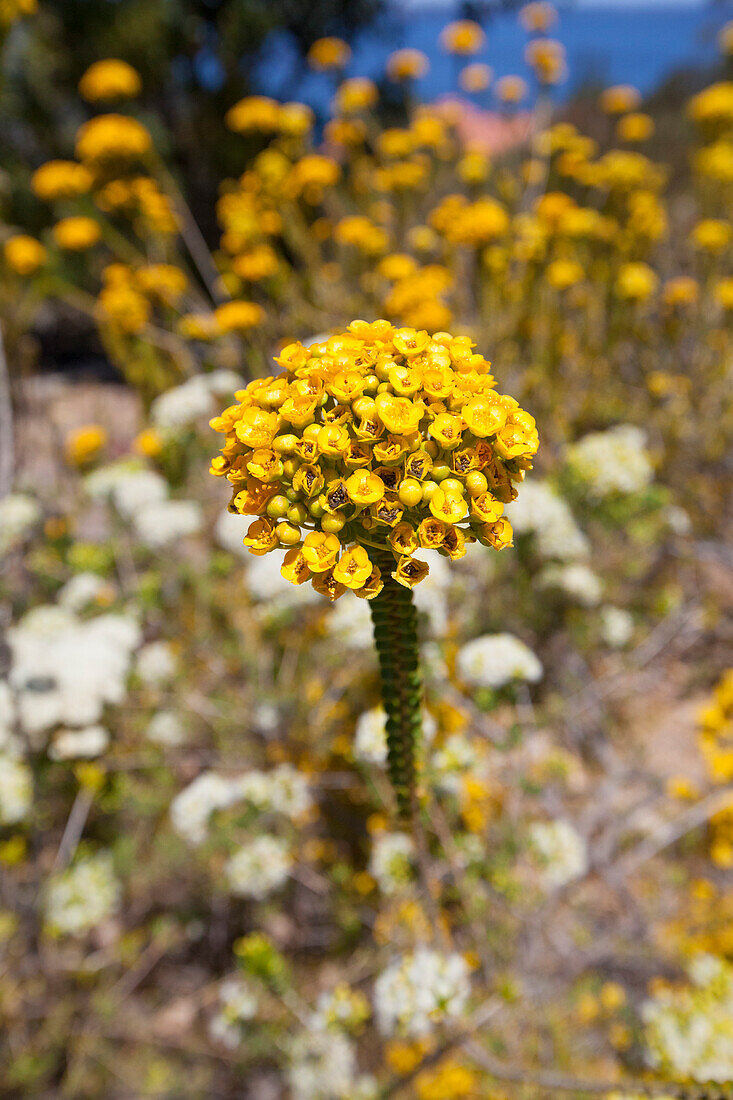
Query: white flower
64	670
391	861
238	1004
457	757
193	806
612	462
617	626
8	740
689	1032
259	867
128	485
494	660
70	744
561	850
420	991
166	728
82	896
538	510
322	1066
183	404
370	743
16	790
85	589
349	622
266	584
18	513
229	531
193	399
576	580
167	521
155	663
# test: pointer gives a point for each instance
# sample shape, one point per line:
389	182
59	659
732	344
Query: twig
74	828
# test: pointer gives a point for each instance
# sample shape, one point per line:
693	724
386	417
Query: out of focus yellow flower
259	263
12	10
110	79
198	326
474	167
619	99
24	254
329	53
635	127
715	161
636	282
397	266
356	94
680	291
712	235
76	234
165	281
723	292
123	307
464	36
537	17
84	444
407	64
562	274
476	77
112	137
255	112
511	89
239	316
446	1081
295	119
61	179
713	104
547	58
148	442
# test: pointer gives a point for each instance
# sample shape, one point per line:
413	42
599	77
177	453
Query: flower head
109	79
370	445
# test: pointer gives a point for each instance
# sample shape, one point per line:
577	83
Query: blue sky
448	6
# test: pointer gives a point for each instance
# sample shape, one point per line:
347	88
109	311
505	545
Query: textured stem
394	617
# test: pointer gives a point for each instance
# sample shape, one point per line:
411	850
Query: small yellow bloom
109	79
320	551
84	444
353	568
410	571
464	36
77	234
24	255
407	64
261	537
329	53
364	487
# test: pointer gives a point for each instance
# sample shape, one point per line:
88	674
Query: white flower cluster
539	511
283	790
561	851
494	660
18	513
612	462
156	663
79	744
323	1067
452	761
617	626
689	1032
166	728
370	742
342	1008
259	867
420	991
579	583
64	669
84	590
82	896
141	497
16	790
193	399
391	861
238	1003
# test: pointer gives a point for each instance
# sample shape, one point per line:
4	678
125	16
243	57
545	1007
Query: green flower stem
394	617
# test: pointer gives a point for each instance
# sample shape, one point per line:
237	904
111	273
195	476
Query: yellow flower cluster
24	254
110	79
112	137
260	114
61	179
377	438
716	730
